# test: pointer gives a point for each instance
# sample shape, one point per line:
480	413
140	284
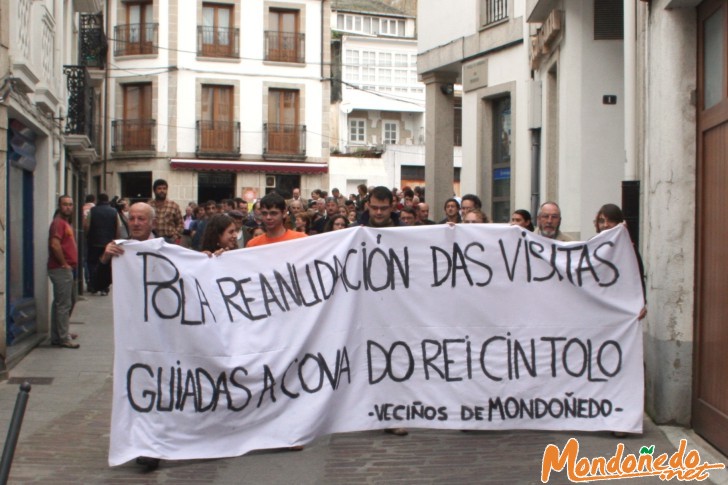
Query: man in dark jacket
101	226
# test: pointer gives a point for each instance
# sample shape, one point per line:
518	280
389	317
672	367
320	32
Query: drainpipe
630	103
105	117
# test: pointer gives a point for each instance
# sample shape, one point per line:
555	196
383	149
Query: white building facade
481	45
44	158
222	100
378	104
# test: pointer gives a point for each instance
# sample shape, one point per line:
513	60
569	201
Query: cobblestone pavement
65	436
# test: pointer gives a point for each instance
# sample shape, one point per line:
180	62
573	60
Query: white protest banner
474	326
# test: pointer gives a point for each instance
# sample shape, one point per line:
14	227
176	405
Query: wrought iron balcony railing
92	44
280	139
284	46
495	11
218	42
133	135
81	104
218	138
133	39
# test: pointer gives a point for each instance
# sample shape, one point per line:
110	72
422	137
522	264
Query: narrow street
65	435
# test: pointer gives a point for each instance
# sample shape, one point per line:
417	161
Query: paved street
66	430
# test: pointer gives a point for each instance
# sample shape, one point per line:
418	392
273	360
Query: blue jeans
64	297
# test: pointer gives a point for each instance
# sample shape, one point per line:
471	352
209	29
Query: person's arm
55	247
112	249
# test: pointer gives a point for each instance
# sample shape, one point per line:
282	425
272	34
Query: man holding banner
141	222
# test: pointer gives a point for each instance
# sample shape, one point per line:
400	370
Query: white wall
668	218
440	22
591	134
381	171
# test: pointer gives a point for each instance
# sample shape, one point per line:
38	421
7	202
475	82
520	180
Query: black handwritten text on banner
464	327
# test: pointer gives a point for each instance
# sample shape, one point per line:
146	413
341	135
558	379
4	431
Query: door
283	129
139	28
710	388
216	30
137	123
216	125
283	38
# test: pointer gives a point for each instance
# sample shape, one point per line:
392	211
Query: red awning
243	166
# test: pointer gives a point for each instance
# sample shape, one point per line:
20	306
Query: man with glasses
273	214
549	222
380	208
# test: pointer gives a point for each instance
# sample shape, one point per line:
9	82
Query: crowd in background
325	212
228	224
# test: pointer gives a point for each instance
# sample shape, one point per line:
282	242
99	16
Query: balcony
218	138
92	44
135	39
82	130
287	141
284	46
218	42
133	135
494	11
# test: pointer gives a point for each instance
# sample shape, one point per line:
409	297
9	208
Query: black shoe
150	464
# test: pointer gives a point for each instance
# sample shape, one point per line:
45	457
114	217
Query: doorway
215	186
710	388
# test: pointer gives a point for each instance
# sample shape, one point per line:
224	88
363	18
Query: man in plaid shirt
169	216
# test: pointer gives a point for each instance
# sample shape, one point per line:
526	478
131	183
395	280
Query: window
385	59
400	60
369	58
137	36
385	77
390	133
284	135
357	23
357	133
135	130
284	42
216	128
492	11
391	27
368	75
217	36
352	66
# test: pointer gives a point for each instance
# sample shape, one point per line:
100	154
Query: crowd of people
215	227
322	212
